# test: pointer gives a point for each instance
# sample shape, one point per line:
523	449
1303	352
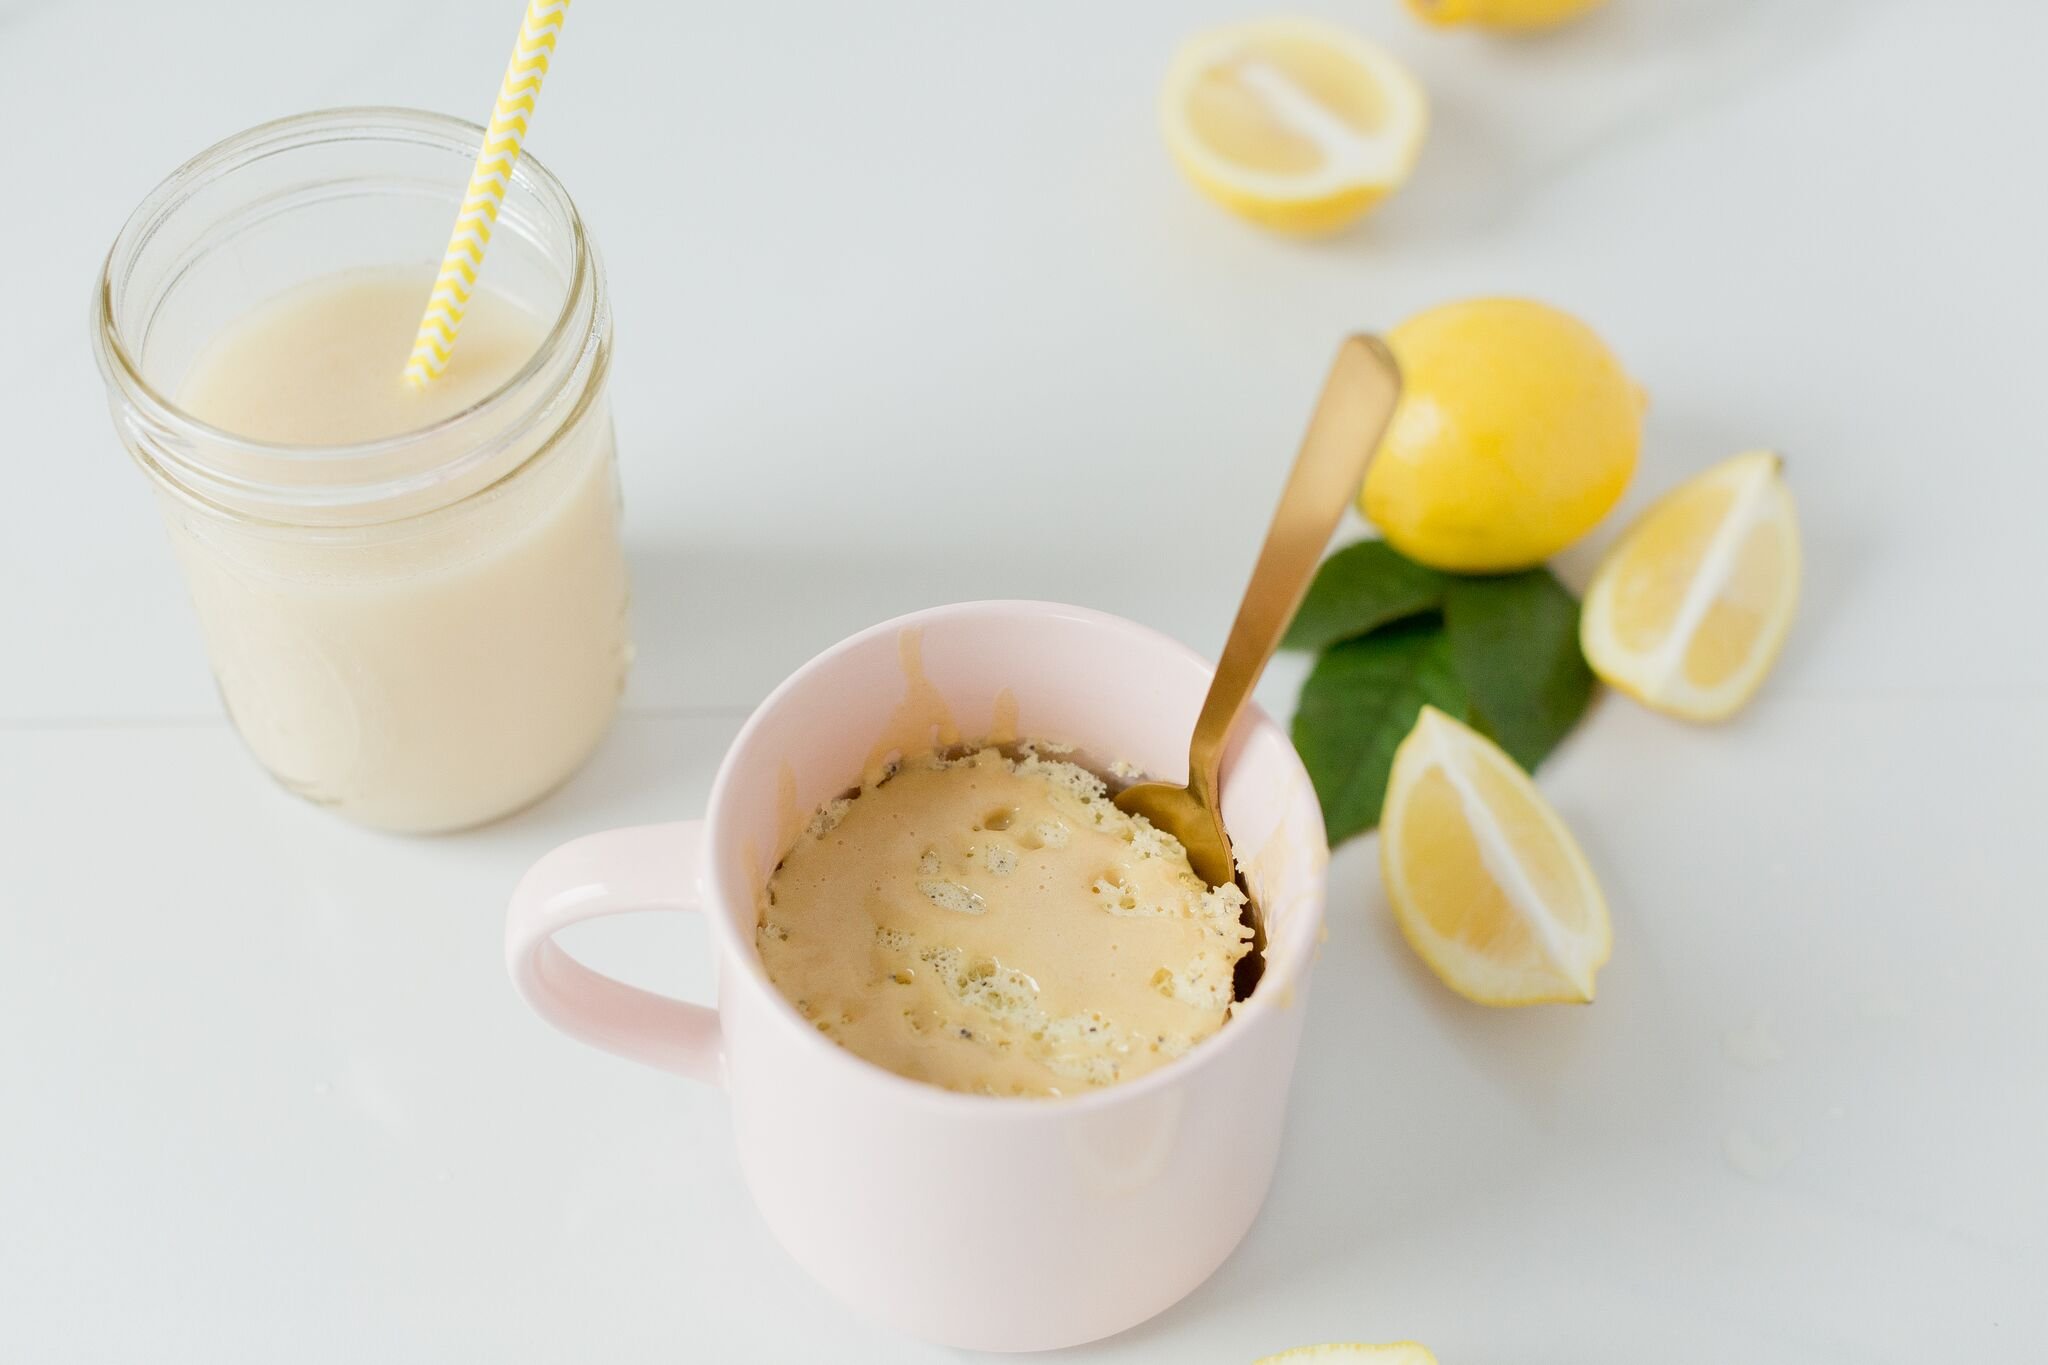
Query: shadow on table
1510	116
721	625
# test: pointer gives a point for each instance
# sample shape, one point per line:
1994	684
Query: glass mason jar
421	632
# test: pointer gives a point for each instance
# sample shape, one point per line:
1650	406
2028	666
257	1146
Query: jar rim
122	370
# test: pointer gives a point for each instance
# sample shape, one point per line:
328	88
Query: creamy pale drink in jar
994	924
453	662
411	586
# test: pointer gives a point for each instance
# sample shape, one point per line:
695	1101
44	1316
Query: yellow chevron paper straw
487	186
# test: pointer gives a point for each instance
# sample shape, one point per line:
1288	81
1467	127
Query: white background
912	308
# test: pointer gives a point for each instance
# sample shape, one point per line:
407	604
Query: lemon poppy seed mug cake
996	925
952	976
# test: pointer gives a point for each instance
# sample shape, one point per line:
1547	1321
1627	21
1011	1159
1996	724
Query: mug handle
646	867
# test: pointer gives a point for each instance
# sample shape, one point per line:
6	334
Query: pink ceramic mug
999	1224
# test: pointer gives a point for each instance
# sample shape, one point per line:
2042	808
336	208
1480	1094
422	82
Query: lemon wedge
1486	882
1688	611
1392	1353
1293	124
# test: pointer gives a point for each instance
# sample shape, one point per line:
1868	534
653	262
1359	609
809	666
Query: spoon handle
1357	402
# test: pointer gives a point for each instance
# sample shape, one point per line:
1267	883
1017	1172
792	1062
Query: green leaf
1514	641
1359	589
1359	704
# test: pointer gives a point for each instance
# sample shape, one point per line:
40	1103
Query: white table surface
912	308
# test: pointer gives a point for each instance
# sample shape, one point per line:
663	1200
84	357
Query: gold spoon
1358	399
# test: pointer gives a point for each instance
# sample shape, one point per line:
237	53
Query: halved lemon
1392	1353
1293	124
1688	611
1486	882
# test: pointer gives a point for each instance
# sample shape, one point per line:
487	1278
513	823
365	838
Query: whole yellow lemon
1508	14
1517	431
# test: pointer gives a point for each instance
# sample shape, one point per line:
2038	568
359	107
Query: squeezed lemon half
1485	880
1687	613
1292	124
